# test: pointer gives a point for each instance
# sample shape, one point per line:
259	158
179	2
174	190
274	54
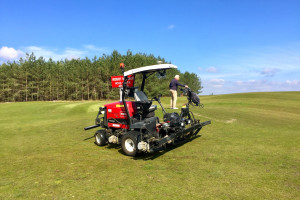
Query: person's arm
181	84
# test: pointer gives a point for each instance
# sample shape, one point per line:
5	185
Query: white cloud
171	26
269	72
68	53
293	83
272	62
216	83
71	53
40	51
94	48
253	70
212	69
9	54
224	75
220	86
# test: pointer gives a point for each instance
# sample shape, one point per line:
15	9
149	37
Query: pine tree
33	79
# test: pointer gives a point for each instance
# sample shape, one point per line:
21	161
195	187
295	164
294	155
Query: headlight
102	110
182	124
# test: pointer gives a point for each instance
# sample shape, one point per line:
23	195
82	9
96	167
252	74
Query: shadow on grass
113	146
152	156
88	138
149	156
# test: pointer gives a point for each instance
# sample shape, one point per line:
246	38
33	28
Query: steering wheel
156	98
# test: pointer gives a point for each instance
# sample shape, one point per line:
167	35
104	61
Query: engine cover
117	110
172	118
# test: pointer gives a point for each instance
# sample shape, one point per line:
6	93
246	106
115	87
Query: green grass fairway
250	151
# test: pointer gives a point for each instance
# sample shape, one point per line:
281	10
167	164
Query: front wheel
129	144
100	138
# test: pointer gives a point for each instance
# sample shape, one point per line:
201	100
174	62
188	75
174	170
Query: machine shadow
88	138
152	156
114	146
148	156
108	146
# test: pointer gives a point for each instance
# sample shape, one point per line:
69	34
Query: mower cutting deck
133	124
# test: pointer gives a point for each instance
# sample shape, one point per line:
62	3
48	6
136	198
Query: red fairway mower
133	124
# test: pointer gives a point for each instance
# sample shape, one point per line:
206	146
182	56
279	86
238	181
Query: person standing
173	90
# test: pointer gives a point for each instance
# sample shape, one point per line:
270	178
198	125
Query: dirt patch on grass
230	121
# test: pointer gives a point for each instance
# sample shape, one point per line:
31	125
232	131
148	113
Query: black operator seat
140	96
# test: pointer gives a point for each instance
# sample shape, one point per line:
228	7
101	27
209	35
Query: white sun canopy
151	68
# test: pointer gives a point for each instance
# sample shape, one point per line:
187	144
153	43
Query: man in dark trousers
173	90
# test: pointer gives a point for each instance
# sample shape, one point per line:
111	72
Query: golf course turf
250	151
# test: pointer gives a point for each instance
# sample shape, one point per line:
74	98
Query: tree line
35	79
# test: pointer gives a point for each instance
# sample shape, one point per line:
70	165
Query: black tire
129	144
100	138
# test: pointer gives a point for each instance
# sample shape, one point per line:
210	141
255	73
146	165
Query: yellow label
119	105
184	106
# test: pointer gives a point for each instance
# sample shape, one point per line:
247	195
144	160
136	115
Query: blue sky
233	46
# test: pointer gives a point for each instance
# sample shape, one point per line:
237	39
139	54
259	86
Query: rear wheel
100	138
129	144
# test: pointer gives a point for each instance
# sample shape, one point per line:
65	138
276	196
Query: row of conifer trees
35	79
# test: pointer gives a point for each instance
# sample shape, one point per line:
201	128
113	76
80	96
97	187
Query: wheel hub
129	145
98	138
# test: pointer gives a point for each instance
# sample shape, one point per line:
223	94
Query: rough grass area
250	151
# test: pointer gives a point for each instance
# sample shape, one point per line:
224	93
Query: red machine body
116	112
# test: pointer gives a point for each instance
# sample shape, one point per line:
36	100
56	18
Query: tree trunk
26	87
76	93
82	89
88	89
50	93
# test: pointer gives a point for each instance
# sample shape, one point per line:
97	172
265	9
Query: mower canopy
148	69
